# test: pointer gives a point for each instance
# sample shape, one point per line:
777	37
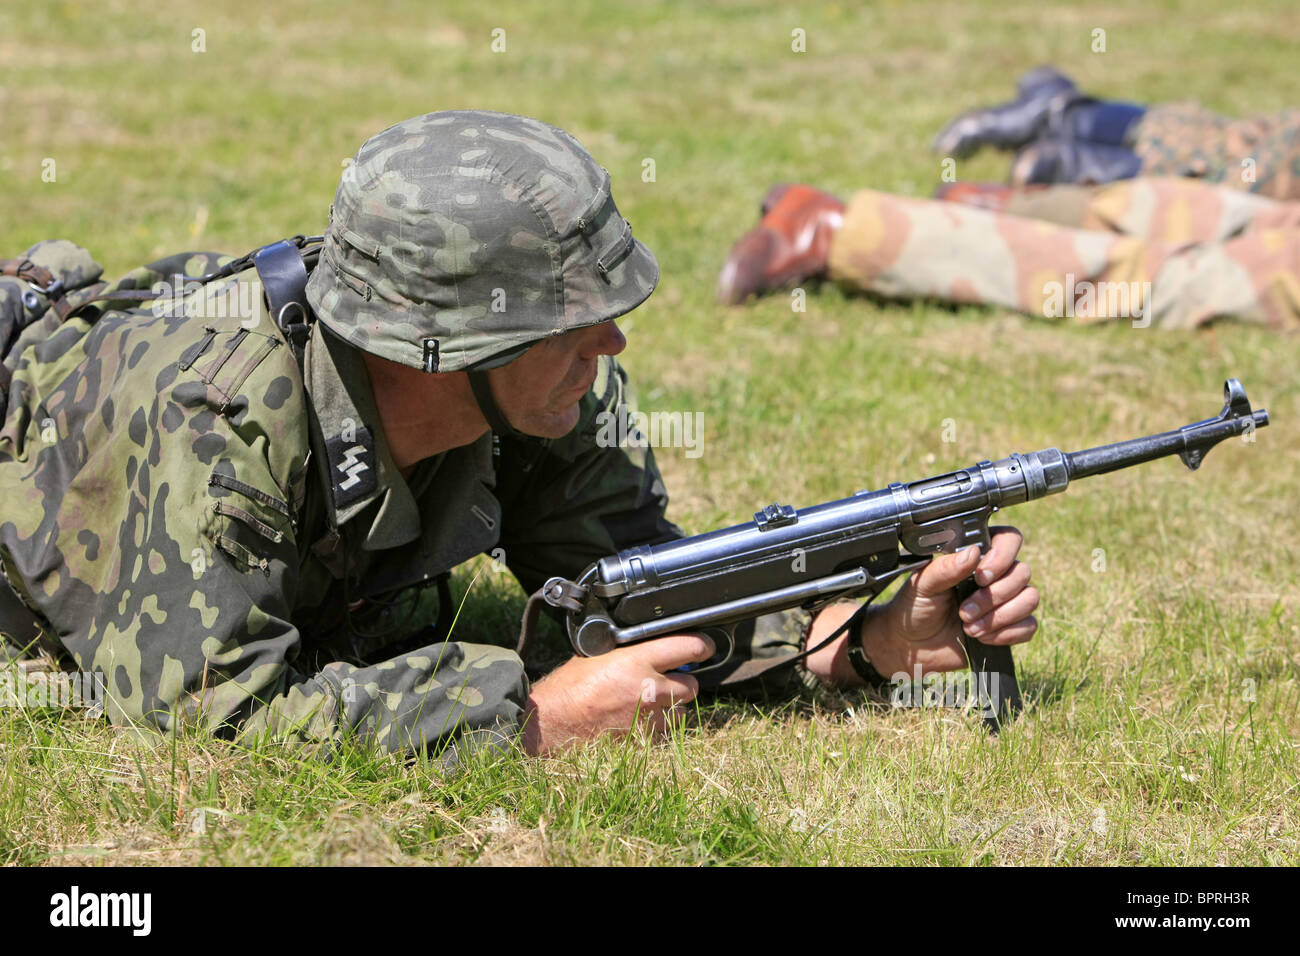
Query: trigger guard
719	657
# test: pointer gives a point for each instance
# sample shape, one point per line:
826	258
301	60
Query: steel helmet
458	239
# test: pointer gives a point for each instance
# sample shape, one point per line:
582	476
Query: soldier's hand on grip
611	693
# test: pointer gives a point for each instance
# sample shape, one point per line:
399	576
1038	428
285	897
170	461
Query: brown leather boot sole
791	243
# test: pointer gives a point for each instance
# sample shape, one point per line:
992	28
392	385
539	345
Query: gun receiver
853	547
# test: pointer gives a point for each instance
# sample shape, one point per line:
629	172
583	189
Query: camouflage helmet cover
458	239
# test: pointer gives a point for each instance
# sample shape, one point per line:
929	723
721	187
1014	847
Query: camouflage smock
193	515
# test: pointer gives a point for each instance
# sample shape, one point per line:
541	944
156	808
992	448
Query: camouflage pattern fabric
899	247
1169	209
459	236
170	519
1260	154
21	305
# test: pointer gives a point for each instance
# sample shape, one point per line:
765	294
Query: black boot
1073	161
1105	122
1010	125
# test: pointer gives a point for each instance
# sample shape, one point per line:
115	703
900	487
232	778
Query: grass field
1164	682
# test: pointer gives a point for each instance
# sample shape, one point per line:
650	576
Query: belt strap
27	270
41	280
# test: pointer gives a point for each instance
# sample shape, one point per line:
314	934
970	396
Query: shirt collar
357	466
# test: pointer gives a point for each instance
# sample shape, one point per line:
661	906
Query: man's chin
556	425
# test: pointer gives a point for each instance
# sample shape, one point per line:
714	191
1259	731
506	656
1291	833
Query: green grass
1165	704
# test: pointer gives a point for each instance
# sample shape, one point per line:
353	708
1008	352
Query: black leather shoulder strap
284	280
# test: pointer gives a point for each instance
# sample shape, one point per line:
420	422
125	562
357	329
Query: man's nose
603	339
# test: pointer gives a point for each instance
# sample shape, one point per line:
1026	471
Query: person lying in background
1065	136
1181	252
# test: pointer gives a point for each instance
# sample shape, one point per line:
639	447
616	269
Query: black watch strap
858	656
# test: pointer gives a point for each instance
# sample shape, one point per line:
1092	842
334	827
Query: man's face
539	392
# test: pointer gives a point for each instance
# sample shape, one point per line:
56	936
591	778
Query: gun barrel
1191	442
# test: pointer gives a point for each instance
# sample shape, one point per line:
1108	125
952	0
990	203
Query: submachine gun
850	548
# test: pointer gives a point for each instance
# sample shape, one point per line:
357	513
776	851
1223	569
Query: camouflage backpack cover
40	288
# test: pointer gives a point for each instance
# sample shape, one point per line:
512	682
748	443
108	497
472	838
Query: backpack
55	278
52	275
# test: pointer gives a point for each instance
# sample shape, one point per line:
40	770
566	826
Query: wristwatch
858	656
